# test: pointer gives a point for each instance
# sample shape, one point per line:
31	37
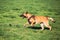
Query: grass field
11	25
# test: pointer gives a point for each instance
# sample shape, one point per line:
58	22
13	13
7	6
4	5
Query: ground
11	25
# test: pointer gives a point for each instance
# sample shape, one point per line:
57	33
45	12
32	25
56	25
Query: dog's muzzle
23	16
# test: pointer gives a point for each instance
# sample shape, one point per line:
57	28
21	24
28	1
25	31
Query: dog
42	20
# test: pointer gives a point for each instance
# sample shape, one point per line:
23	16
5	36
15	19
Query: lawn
11	25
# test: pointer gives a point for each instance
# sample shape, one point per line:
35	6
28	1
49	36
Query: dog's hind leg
42	26
47	25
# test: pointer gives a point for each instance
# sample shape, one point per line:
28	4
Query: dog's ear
27	12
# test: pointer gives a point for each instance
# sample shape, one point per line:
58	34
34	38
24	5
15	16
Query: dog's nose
21	15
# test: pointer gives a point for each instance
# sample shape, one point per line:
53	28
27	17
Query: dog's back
40	19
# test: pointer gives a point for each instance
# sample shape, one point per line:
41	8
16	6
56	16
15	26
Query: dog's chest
31	21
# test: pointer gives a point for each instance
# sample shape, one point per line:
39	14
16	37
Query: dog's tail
51	19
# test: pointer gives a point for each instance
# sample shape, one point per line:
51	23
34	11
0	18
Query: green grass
11	25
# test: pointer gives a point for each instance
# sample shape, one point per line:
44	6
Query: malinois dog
42	20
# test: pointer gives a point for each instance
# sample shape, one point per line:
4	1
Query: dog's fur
42	20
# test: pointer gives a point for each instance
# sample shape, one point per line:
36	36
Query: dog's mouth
23	16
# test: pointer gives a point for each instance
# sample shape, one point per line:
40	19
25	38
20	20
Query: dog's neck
28	16
32	16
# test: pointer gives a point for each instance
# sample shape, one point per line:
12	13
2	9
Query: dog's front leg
32	24
26	24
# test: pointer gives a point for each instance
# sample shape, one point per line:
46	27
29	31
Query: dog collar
30	18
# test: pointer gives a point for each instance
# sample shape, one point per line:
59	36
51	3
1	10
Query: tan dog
42	20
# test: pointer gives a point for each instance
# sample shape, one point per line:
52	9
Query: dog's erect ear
27	12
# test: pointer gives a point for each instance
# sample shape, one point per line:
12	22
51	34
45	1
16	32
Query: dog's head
25	15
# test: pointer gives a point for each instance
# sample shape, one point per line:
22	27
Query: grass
11	25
